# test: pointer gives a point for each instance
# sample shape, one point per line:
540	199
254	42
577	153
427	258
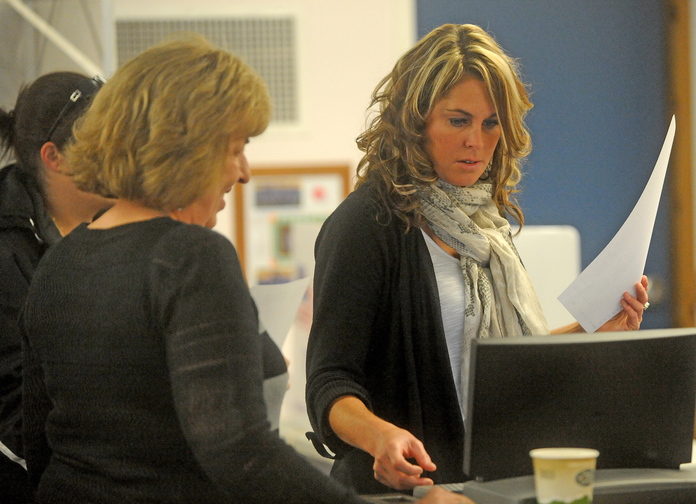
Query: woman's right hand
439	496
391	446
393	449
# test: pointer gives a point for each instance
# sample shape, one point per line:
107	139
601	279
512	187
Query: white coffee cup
564	475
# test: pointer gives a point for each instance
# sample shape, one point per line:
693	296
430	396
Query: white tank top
450	287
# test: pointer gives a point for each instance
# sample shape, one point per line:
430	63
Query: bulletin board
279	213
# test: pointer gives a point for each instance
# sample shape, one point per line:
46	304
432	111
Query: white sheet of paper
278	305
593	298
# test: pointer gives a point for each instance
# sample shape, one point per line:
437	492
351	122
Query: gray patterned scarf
499	302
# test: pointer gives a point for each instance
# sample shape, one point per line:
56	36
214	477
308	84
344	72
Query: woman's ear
52	158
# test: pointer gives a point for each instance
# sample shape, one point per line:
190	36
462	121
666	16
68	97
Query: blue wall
598	79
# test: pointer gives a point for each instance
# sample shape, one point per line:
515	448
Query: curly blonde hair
158	131
394	141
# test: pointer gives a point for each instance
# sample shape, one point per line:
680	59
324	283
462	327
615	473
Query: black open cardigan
377	334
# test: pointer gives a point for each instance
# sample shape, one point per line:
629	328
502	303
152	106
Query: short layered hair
158	131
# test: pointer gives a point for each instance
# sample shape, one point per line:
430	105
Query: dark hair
43	105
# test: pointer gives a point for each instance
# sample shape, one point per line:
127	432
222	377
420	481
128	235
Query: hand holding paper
593	298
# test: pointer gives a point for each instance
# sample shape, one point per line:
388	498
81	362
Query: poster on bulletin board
279	213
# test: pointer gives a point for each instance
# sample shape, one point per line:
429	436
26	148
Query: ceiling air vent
265	43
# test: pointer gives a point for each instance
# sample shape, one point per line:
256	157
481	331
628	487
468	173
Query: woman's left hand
631	316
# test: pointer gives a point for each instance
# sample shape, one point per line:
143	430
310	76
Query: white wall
26	54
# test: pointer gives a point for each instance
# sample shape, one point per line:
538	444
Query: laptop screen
630	395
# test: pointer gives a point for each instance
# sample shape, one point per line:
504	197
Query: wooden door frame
681	207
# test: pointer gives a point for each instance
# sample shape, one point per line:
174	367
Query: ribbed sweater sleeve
214	355
350	281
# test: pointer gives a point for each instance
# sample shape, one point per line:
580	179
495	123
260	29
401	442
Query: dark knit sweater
144	361
377	334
